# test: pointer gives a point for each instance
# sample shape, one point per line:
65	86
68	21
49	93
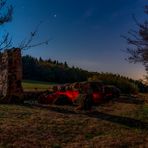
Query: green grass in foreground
30	85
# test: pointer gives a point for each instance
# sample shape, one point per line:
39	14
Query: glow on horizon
84	33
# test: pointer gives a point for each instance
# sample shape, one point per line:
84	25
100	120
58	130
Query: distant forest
58	72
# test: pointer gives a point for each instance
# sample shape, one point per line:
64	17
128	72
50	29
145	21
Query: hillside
119	123
51	71
58	72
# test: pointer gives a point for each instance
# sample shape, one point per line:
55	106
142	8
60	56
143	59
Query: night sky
85	33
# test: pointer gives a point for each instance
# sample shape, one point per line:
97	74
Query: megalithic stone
11	73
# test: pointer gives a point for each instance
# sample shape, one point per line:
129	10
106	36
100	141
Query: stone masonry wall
11	73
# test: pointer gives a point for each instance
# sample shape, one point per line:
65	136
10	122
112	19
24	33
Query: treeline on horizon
58	72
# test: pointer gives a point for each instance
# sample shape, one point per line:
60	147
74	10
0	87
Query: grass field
119	123
29	85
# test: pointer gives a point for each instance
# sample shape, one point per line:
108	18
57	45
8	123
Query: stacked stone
4	73
11	73
0	74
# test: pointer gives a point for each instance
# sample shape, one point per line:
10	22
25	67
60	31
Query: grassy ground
119	123
30	85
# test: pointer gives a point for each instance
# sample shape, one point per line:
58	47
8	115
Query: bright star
54	15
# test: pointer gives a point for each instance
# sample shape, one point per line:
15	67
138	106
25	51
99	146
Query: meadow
30	85
122	122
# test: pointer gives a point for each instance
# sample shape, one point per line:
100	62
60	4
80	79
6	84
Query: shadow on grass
125	121
129	100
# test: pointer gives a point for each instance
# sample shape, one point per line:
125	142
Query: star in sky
55	16
87	32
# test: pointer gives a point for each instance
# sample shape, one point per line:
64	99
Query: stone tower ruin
11	73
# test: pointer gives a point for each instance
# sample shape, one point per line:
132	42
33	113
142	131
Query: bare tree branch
7	17
28	43
139	41
6	41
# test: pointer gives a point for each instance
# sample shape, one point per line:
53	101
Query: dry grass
119	123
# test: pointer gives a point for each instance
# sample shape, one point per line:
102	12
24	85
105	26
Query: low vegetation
29	85
122	122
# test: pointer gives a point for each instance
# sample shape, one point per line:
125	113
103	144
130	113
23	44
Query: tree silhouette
6	13
138	52
5	17
28	43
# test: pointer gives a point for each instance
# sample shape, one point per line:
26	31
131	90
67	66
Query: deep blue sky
85	33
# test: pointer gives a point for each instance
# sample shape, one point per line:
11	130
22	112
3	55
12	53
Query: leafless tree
5	17
28	43
138	42
6	13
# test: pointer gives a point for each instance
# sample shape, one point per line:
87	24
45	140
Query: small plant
56	145
144	112
89	136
